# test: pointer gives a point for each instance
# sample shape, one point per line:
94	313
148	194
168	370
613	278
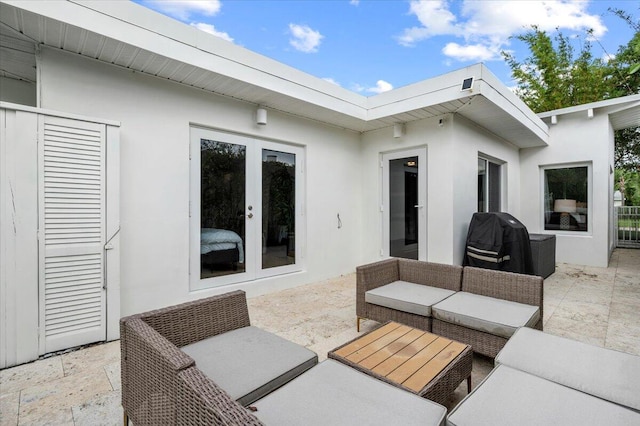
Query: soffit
318	100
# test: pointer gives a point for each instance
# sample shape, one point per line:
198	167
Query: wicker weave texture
150	356
527	289
201	402
380	273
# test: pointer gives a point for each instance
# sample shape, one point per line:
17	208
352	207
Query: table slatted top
402	354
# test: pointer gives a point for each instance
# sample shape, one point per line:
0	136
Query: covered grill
498	241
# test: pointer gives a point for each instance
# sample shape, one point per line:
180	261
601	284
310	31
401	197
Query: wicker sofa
480	307
168	379
541	379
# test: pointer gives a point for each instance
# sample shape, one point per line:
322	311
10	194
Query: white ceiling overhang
128	35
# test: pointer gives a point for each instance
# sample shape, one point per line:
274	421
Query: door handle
418	206
250	215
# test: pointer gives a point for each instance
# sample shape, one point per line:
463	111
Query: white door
245	208
404	204
71	235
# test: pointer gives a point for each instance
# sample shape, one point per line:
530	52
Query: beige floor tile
9	405
34	373
584	312
624	338
92	357
104	410
47	415
629	297
113	374
63	394
592	333
598	297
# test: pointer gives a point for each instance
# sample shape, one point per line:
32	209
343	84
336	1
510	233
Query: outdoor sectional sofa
479	307
542	379
202	363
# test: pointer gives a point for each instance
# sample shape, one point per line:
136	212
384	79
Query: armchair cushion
494	316
407	297
512	397
332	393
249	362
605	373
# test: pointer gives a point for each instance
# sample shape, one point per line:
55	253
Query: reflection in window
278	208
566	199
489	189
222	201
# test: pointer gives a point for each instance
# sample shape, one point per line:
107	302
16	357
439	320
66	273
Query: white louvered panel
72	233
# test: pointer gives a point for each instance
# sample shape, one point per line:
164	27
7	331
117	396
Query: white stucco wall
471	141
452	176
575	139
155	115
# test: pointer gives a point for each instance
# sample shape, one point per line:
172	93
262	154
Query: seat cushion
494	316
512	397
249	362
333	394
407	297
605	373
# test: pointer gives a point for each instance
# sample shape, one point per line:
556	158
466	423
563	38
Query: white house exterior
165	92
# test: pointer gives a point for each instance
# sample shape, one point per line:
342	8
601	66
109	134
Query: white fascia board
133	24
595	105
434	91
495	91
53	113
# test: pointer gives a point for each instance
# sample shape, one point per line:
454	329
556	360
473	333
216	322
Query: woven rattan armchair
160	383
384	272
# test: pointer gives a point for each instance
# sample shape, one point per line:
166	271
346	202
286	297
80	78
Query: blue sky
370	46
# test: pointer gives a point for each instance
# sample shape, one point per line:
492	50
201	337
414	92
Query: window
489	187
566	194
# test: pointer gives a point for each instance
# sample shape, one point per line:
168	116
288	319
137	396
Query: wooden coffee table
426	364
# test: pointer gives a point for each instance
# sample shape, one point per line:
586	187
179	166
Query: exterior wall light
261	116
398	130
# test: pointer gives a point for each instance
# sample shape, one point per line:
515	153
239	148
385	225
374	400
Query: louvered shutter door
71	236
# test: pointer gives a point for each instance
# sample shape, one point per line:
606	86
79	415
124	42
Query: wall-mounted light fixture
398	130
590	113
441	122
554	119
261	116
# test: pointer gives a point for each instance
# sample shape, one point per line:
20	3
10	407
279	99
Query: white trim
53	113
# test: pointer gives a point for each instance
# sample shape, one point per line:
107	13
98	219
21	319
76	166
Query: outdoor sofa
202	363
479	307
542	379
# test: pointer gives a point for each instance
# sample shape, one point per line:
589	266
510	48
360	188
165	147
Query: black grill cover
498	241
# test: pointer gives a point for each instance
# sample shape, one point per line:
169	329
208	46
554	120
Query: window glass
566	199
278	208
489	188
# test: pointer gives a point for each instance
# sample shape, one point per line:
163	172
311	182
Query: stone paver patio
600	306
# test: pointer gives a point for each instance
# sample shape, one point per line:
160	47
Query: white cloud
354	2
183	9
381	86
485	26
304	38
331	80
208	28
469	52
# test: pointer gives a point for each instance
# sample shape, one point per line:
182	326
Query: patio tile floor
594	305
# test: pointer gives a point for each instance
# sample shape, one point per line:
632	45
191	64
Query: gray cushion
249	362
333	394
494	316
407	297
608	374
512	397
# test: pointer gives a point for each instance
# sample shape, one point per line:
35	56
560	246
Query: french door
245	209
404	204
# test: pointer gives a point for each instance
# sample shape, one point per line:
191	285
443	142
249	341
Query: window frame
253	255
501	181
543	196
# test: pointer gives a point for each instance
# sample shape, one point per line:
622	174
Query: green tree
555	77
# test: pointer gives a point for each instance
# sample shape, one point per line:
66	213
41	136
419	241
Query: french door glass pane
482	184
222	206
494	187
403	208
278	208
